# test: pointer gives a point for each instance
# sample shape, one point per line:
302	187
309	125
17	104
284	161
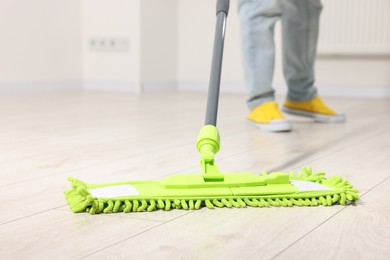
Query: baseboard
347	91
190	86
154	86
111	85
41	86
202	86
324	90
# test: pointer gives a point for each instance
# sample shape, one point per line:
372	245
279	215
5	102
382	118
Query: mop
211	188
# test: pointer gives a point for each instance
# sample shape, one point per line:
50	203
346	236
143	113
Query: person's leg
300	26
257	20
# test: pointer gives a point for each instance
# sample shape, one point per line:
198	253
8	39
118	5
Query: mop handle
216	65
223	6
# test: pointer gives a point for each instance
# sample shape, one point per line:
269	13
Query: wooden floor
104	137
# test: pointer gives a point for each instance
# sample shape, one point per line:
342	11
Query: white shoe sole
338	118
277	125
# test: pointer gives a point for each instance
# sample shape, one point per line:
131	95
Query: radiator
355	27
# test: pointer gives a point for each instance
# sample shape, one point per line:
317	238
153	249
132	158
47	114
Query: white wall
351	76
110	69
40	44
159	44
149	62
46	44
336	75
196	26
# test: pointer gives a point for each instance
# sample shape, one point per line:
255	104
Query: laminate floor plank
249	233
361	232
45	193
59	235
105	137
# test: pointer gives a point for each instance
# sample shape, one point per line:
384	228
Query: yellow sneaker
268	117
314	108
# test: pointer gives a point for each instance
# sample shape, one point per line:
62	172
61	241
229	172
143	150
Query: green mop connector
208	145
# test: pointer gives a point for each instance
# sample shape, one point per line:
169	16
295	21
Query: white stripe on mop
308	186
114	191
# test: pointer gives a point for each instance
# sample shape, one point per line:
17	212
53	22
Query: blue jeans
300	25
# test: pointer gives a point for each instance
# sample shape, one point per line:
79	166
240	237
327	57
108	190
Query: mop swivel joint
208	145
208	142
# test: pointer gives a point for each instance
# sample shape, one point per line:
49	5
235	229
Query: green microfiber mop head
87	197
212	189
